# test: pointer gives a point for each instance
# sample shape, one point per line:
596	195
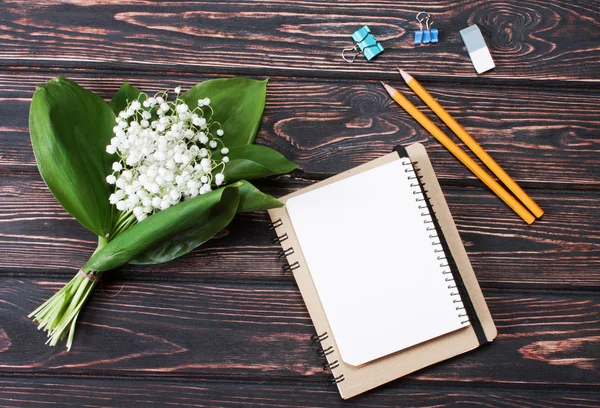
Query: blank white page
373	263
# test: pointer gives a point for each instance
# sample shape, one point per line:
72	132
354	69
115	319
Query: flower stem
58	315
124	217
124	223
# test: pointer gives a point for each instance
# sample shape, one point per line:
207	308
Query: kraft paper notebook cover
382	270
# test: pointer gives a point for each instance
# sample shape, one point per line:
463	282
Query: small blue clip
366	44
419	37
426	37
434	35
429	35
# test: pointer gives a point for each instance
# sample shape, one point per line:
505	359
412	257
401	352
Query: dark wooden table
224	326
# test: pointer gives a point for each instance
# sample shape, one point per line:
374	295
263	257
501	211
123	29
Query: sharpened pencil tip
388	88
405	75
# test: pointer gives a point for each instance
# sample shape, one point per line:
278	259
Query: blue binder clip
429	35
366	44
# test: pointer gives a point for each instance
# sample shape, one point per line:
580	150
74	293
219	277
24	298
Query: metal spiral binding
272	225
325	351
279	239
289	268
285	252
338	379
316	338
282	253
331	366
422	198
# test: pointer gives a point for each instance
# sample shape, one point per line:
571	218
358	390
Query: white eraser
477	49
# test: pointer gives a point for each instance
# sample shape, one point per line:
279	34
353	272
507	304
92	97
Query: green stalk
124	224
58	315
123	218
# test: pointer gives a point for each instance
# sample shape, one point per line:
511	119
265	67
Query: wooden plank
224	326
550	40
542	137
38	237
102	392
262	332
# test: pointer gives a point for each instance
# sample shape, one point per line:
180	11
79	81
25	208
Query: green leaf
253	161
70	128
126	94
252	199
238	105
171	233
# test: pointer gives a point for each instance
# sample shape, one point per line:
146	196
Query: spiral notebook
382	270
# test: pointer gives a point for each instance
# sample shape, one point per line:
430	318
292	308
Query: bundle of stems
58	315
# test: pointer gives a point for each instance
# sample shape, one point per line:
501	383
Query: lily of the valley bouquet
153	176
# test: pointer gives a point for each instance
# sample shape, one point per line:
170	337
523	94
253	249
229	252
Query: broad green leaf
253	161
170	233
70	128
252	199
238	105
126	94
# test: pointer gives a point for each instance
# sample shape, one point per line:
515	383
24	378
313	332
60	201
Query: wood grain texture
542	138
223	326
538	40
262	332
138	393
40	238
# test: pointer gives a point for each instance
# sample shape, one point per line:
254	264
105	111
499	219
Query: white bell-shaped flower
165	159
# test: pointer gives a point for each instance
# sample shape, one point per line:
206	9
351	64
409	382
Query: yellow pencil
471	143
460	155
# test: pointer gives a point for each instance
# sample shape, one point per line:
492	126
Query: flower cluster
165	154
